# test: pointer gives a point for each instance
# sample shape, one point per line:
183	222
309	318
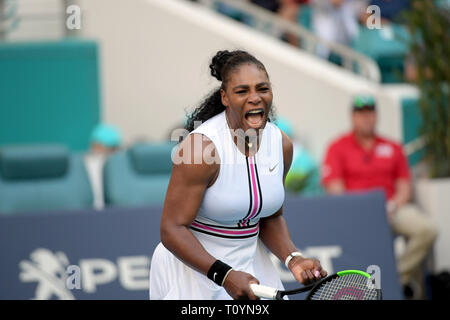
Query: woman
224	201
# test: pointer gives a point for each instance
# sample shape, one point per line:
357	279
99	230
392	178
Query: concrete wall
154	64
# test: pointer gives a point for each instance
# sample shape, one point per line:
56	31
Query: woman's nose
254	98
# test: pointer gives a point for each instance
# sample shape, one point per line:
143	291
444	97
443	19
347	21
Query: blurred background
91	92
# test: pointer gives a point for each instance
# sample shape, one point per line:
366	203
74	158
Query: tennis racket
344	285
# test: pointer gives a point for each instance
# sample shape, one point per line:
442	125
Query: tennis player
223	208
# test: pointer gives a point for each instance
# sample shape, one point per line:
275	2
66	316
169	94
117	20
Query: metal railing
11	20
271	24
414	145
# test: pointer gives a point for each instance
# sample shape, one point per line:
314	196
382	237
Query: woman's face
248	98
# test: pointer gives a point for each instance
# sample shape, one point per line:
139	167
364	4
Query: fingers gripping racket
344	285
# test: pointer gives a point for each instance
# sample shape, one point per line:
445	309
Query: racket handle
264	291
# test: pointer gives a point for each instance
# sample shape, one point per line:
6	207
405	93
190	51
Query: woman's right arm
188	183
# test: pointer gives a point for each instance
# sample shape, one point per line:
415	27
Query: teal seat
388	47
304	17
138	176
42	178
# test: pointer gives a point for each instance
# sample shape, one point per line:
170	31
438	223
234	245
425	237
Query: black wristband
218	272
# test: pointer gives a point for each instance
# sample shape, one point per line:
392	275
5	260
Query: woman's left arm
275	234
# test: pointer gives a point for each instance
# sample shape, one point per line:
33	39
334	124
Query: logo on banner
48	269
56	278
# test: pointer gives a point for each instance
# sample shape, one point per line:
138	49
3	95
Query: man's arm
403	187
403	191
335	186
402	195
332	172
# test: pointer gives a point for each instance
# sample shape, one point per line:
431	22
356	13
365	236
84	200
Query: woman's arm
187	186
402	196
275	235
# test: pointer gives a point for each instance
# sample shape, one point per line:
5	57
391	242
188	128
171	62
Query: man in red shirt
361	160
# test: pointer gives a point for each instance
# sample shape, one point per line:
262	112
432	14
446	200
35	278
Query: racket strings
348	287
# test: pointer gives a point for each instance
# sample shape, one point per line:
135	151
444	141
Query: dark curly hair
221	67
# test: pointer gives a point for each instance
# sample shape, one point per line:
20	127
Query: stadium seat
41	178
138	176
304	18
388	47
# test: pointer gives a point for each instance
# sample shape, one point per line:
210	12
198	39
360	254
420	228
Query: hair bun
218	62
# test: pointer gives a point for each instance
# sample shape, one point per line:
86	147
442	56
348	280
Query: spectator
335	21
286	9
105	139
278	6
272	5
289	10
362	160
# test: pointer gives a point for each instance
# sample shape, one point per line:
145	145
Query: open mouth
255	117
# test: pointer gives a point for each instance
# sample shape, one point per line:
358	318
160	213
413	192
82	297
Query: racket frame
312	288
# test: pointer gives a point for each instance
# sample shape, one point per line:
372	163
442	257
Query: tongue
254	118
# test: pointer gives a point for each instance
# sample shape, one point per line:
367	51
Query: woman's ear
224	97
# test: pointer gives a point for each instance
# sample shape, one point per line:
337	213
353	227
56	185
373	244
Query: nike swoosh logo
214	276
271	169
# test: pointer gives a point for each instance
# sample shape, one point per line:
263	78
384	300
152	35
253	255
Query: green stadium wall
411	122
49	92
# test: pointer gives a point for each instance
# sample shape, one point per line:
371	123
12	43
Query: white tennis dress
227	223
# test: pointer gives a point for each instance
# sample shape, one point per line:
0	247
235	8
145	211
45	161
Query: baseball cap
106	135
361	102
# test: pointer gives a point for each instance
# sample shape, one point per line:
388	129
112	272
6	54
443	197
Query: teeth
254	111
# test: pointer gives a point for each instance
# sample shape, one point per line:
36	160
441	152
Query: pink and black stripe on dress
254	192
246	227
232	232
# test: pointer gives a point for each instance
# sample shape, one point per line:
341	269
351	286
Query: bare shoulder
196	158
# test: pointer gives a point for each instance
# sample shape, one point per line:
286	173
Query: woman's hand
237	284
306	271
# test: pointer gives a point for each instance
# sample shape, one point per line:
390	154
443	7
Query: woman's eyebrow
245	86
263	84
242	86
